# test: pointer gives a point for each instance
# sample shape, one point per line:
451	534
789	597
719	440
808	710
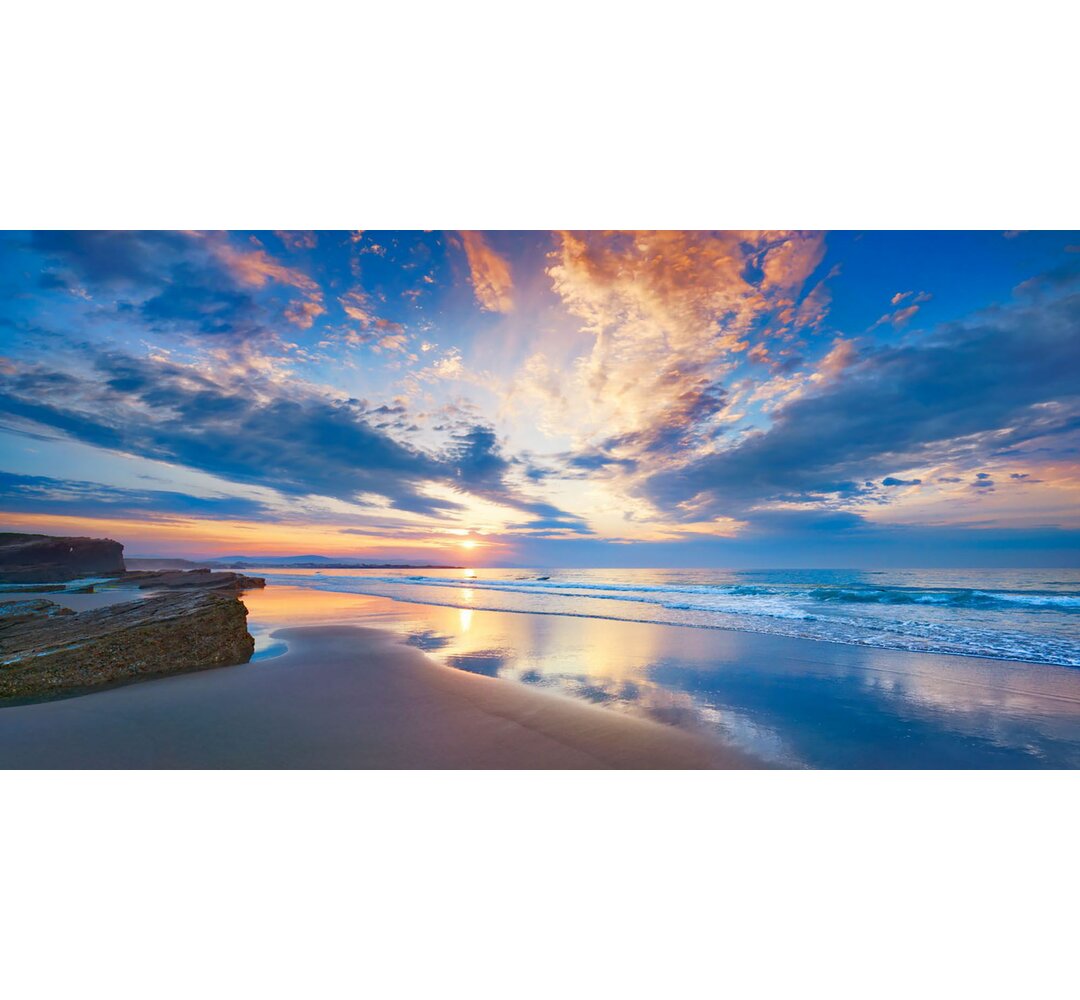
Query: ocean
798	668
1030	615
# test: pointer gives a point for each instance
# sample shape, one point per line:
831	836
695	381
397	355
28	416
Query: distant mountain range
289	562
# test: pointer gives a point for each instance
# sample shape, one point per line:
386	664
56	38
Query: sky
729	399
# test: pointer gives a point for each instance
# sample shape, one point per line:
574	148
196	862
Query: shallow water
787	700
1030	615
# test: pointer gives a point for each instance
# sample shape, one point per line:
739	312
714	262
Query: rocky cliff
45	649
173	579
50	559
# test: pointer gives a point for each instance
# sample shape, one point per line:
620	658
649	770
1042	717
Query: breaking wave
1019	623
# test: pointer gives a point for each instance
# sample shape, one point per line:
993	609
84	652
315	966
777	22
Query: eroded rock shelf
46	649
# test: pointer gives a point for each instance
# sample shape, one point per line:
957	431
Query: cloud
449	367
377	339
981	387
840	356
684	379
478	462
113	259
257	267
298	239
76	498
283	436
668	315
357	306
196	298
788	262
900	317
303	313
489	272
180	282
595	460
476	457
382	334
291	440
548	526
814	308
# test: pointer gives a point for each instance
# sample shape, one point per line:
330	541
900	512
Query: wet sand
795	703
372	682
341	697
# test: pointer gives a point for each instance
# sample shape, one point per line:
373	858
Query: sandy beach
350	681
341	697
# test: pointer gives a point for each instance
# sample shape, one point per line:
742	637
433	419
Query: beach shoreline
342	680
341	696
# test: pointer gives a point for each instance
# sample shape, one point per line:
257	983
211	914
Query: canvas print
420	499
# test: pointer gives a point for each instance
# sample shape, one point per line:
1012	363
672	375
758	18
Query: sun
469	543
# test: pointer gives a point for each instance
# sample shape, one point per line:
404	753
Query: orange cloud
489	272
669	314
304	312
257	267
391	342
357	306
897	318
814	308
789	263
901	316
382	334
298	239
840	356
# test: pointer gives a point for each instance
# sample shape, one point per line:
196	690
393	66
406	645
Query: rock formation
185	579
51	559
45	649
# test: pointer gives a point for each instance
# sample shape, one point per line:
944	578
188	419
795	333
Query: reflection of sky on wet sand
794	702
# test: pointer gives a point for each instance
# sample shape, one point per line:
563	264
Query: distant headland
280	562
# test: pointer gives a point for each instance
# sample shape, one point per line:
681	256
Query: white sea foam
1036	626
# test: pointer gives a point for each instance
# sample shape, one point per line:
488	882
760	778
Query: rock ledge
47	650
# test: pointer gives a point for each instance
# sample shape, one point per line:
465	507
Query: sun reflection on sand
598	665
760	694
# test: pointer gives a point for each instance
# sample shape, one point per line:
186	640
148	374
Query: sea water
1030	615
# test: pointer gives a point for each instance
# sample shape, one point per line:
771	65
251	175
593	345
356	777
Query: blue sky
547	398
